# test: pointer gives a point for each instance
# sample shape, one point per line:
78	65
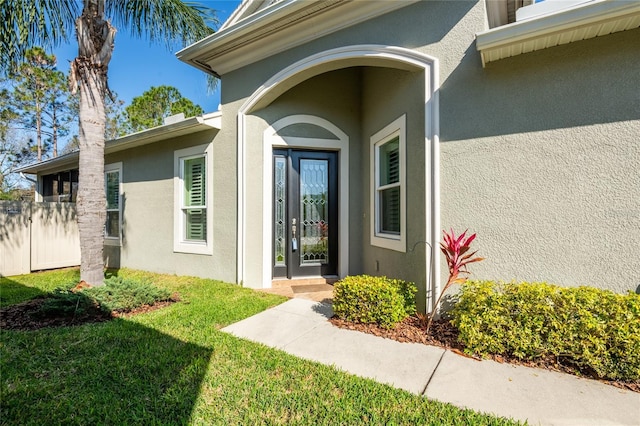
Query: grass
174	366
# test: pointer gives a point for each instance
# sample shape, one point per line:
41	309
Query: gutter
558	24
267	16
23	176
145	137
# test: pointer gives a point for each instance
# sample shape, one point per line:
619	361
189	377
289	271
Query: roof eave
558	28
280	26
188	126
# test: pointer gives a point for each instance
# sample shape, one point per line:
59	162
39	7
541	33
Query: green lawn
174	366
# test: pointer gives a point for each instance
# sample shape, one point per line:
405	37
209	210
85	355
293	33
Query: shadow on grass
14	292
116	372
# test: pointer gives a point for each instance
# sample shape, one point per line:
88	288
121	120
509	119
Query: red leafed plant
455	250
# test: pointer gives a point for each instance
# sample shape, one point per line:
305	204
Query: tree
14	149
114	125
153	106
40	94
25	23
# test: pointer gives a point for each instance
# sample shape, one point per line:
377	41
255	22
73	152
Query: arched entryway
366	57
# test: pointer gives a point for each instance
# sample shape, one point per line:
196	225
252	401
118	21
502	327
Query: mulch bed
445	335
27	315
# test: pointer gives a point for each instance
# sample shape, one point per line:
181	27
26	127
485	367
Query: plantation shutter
113	190
194	199
112	224
389	192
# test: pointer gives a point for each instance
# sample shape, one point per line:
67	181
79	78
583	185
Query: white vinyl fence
36	236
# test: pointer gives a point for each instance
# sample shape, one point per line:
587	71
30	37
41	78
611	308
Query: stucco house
352	132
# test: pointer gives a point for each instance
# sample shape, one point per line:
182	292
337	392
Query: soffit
583	22
280	26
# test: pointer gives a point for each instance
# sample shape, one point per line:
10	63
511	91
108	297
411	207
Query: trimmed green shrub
118	294
66	303
593	329
380	300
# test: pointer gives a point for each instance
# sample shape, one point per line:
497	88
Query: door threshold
303	281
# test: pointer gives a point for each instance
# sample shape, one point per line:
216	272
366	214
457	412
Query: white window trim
179	244
114	167
397	128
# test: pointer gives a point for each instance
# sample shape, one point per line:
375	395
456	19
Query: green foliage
380	300
591	328
153	106
65	302
174	366
119	294
116	295
41	97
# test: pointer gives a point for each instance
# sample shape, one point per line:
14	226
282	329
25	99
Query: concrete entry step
306	281
319	289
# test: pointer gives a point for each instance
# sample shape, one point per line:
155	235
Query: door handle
294	241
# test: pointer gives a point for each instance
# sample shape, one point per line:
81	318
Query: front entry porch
318	289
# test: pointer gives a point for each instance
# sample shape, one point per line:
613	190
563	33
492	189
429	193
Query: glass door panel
305	213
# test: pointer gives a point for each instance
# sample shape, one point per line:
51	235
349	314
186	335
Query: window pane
314	211
112	227
390	210
113	190
389	157
280	213
194	194
195	224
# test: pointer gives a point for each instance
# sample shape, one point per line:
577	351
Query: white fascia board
281	26
514	35
160	133
240	11
62	162
144	137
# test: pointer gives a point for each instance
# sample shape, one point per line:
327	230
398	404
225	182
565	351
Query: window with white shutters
388	184
192	188
113	185
194	206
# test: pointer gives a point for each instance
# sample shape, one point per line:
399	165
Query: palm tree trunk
91	196
39	130
54	136
89	73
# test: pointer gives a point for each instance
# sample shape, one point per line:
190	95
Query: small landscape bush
380	300
66	303
593	329
117	294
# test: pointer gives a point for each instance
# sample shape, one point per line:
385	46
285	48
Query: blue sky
137	65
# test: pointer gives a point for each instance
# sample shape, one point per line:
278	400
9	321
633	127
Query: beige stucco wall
546	167
387	95
539	153
148	211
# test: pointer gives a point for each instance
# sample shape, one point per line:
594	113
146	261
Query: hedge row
591	328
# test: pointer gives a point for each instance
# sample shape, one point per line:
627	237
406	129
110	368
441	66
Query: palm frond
28	23
174	23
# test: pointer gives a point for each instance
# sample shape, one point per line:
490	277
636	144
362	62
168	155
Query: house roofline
582	22
278	27
211	121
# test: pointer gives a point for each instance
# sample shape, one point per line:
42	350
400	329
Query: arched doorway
369	57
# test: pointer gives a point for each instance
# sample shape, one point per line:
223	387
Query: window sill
390	242
110	241
589	20
193	248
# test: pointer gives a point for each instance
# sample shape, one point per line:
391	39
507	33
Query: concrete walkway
300	327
